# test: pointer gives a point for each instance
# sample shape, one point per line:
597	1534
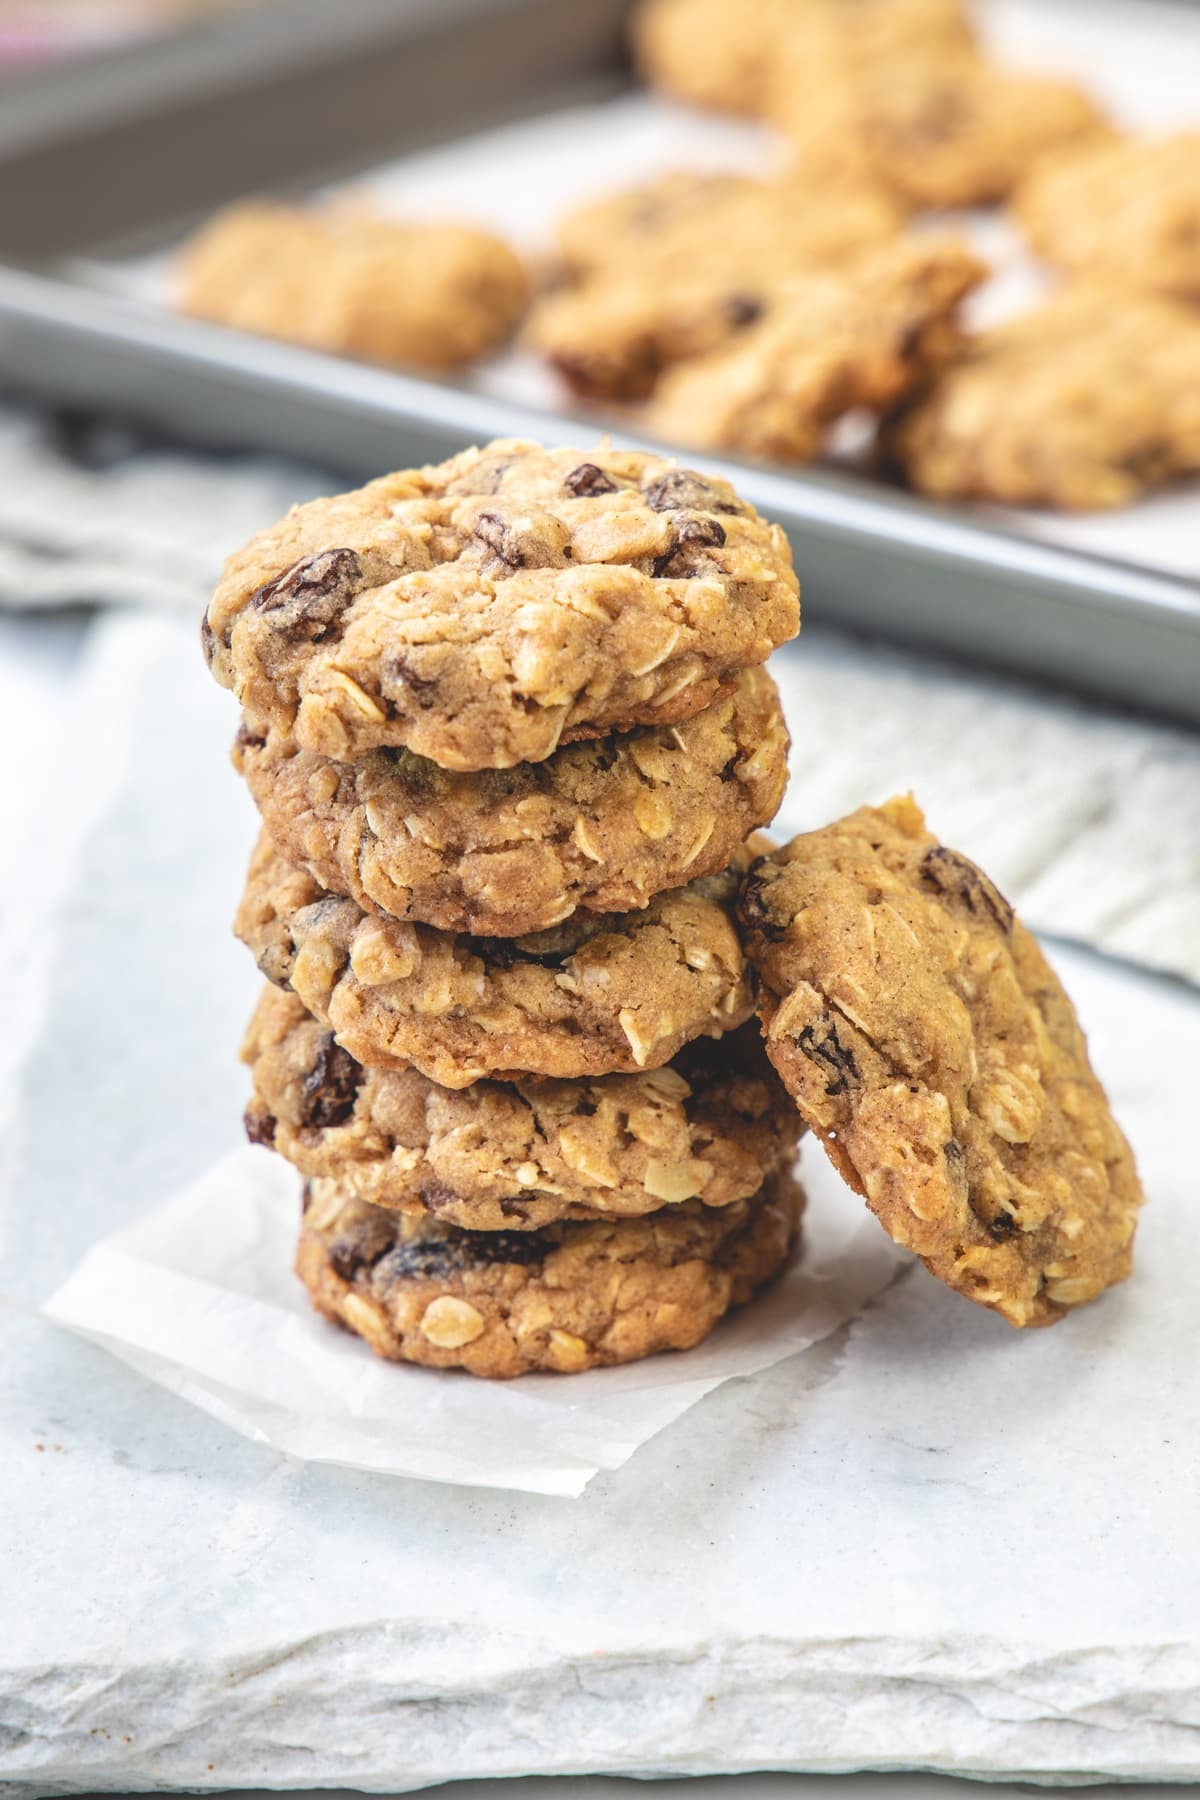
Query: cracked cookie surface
484	611
1128	210
686	265
929	1044
859	337
600	826
1088	402
431	296
577	1295
519	1154
602	993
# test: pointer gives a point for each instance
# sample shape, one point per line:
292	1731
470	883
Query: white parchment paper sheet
198	1294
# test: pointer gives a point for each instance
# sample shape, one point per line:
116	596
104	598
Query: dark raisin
208	641
743	309
683	490
493	531
260	1125
692	536
312	594
829	1051
330	1087
399	674
753	908
360	1246
1001	1226
587	481
953	875
440	1258
247	738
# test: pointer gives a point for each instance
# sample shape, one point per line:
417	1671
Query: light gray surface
938	1544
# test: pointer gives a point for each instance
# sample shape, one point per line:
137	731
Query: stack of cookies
508	728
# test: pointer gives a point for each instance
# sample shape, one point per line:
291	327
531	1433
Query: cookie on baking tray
571	1296
1089	401
928	1043
720	55
601	993
430	296
1127	209
938	128
484	611
518	1154
684	265
600	826
827	345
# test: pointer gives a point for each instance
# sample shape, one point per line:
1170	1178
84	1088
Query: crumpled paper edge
198	1296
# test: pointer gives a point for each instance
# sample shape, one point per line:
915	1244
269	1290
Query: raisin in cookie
926	1039
715	54
518	1154
423	295
1129	210
600	826
600	993
854	338
483	611
939	129
573	1296
1088	402
686	265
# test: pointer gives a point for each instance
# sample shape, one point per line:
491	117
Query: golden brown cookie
928	1042
598	994
519	1154
1087	402
1128	210
578	1295
600	826
717	54
687	264
854	338
944	128
423	295
486	610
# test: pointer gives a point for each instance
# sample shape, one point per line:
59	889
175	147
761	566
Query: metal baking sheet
285	95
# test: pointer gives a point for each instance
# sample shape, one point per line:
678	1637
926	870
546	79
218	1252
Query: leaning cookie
486	610
519	1154
573	1296
927	1041
620	991
600	826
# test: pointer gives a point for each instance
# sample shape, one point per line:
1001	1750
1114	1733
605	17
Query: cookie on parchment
523	1153
578	1295
1087	402
484	611
1127	209
929	1044
716	54
600	826
597	994
938	128
431	296
827	345
685	265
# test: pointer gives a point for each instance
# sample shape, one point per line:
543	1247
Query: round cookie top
1128	209
925	1038
573	1296
482	611
600	826
426	295
518	1154
1085	402
595	995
